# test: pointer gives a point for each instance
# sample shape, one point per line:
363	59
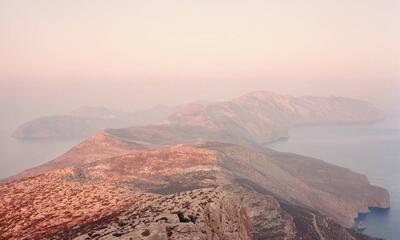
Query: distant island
86	121
258	116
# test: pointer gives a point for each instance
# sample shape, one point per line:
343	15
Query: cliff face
78	208
331	190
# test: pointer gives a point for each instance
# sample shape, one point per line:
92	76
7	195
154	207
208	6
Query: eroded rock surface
67	204
231	212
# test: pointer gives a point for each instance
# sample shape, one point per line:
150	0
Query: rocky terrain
86	121
34	207
331	190
230	212
203	173
64	204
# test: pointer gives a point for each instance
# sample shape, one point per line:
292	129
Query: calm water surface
17	155
373	150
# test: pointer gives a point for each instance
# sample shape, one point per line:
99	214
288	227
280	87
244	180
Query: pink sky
131	54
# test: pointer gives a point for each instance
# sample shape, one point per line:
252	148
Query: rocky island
255	118
86	121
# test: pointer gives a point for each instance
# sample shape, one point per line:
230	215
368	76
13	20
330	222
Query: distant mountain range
201	173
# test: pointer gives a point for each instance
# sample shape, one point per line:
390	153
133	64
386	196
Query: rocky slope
31	208
64	204
231	212
97	147
86	121
331	190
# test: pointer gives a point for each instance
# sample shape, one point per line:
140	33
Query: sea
373	150
17	155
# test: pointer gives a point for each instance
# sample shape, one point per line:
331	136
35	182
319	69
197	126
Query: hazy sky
56	55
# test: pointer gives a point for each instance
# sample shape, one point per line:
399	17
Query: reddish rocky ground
36	206
331	190
65	205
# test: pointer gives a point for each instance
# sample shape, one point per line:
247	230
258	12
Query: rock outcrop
63	204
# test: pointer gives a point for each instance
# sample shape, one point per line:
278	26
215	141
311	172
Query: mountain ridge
213	146
333	190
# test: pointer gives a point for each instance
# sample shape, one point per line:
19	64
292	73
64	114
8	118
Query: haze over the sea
134	54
